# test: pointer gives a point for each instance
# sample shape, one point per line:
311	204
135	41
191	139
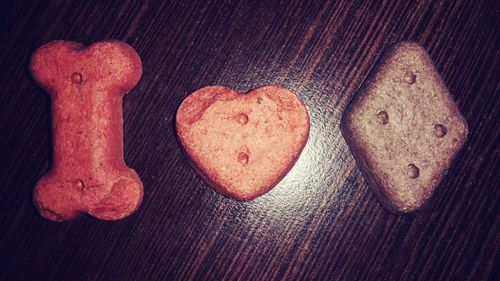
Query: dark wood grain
321	222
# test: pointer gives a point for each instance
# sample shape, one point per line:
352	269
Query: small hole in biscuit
413	171
242	118
243	158
76	78
383	117
78	183
440	130
409	77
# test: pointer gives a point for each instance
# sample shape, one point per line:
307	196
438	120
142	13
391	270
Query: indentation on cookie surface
243	158
409	77
77	78
440	130
242	118
382	117
78	183
412	171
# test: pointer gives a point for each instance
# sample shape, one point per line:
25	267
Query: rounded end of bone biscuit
53	200
49	214
44	65
107	65
118	65
124	199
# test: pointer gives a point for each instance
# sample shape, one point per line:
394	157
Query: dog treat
86	86
404	128
242	144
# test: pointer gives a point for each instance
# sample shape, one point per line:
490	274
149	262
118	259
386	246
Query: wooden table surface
322	222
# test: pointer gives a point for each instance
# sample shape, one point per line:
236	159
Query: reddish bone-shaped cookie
89	174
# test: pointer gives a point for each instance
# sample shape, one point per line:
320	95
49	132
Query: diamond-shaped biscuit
403	128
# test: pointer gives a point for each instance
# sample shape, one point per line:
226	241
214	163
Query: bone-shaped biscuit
86	86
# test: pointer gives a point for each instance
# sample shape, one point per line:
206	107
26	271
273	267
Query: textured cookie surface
242	144
86	86
404	128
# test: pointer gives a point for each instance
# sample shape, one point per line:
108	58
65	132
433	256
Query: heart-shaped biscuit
242	144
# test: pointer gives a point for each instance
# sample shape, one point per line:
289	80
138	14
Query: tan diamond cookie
403	128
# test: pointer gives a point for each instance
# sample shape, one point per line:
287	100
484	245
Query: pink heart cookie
242	144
